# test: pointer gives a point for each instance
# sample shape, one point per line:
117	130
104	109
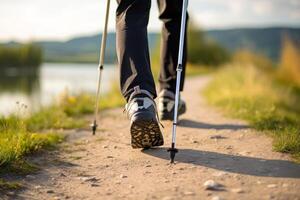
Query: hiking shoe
144	126
166	105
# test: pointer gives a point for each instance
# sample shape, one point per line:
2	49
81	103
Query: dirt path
212	147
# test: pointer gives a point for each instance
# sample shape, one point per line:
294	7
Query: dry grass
289	68
245	56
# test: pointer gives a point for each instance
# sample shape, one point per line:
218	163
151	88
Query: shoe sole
145	134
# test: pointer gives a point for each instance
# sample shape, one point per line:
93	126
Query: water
50	80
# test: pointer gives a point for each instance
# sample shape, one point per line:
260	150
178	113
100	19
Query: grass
53	117
16	141
251	94
68	111
82	104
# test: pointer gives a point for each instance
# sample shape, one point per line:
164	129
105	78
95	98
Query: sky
26	20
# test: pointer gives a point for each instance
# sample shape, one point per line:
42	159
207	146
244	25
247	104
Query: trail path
211	147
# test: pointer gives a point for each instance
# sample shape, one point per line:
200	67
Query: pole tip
94	127
173	152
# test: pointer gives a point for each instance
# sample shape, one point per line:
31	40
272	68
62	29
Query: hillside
85	49
267	41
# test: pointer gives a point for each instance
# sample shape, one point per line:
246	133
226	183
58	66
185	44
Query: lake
51	80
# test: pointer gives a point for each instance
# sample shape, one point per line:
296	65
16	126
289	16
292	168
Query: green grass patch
249	93
53	117
68	111
16	141
82	104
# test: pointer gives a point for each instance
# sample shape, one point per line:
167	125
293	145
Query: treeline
27	55
204	51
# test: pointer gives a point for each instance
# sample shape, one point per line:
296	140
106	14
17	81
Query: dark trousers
132	45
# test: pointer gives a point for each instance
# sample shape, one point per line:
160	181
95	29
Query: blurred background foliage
27	55
203	50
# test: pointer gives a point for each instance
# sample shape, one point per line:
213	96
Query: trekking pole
173	149
100	67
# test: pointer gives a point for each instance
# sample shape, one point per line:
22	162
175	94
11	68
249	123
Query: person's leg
137	82
170	14
132	18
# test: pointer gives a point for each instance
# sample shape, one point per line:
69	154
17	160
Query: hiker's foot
142	112
166	105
